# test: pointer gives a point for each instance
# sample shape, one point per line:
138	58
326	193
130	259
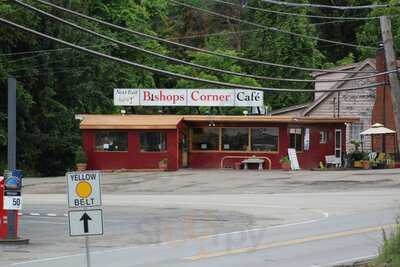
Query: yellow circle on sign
83	189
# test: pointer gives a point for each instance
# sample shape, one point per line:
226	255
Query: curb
18	241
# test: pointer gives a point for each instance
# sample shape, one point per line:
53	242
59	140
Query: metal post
11	155
88	264
391	65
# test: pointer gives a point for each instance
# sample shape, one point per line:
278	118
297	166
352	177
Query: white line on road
47	222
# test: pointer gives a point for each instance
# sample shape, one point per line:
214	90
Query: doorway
185	150
338	144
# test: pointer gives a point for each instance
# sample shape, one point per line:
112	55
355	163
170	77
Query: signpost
84	201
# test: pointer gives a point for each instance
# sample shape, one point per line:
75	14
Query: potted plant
366	164
163	164
391	164
285	163
81	160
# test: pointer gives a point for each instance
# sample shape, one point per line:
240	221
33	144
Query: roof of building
130	121
171	121
290	109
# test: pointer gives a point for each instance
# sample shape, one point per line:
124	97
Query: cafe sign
189	97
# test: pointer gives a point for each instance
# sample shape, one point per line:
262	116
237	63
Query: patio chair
372	155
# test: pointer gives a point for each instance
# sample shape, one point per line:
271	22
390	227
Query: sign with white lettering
84	189
85	222
189	97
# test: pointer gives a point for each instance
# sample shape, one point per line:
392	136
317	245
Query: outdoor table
258	161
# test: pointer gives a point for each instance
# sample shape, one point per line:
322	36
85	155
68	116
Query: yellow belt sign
84	189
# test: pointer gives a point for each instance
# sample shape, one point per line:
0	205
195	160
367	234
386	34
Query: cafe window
111	141
152	141
296	138
323	137
205	138
236	139
264	139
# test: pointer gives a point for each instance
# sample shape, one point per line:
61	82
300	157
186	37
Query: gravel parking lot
229	182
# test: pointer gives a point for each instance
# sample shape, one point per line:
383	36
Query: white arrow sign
85	222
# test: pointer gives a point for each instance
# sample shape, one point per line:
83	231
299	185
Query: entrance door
338	143
185	151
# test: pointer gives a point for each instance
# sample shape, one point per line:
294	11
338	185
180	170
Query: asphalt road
304	229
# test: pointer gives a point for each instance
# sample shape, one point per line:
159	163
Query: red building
148	142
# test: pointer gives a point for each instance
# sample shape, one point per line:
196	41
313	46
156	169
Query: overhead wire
57	18
169	73
273	29
291	4
342	18
205	51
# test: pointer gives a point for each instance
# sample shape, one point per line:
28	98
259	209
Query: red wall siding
133	159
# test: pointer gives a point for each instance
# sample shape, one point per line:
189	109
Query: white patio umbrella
377	128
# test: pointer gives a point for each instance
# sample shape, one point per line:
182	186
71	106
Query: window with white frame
355	130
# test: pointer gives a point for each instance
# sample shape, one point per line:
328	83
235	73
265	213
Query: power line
325	6
45	51
169	73
152	37
46	14
273	29
293	14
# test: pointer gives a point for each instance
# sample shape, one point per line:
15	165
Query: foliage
284	160
389	253
80	156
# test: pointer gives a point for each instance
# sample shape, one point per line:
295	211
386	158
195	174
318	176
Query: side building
358	103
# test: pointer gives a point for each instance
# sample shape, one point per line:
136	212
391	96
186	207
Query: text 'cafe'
170	142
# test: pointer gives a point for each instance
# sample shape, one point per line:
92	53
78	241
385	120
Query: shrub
80	156
284	159
389	253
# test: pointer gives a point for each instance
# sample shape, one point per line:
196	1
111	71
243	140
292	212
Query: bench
258	161
333	160
265	159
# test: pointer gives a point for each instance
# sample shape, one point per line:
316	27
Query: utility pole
391	65
12	145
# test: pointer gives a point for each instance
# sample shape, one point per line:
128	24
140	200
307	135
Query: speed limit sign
12	203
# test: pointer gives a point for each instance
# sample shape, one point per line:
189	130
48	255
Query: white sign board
293	159
84	189
189	97
12	203
85	222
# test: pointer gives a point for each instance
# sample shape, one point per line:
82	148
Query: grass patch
389	253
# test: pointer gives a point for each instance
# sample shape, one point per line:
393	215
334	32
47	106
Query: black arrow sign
85	218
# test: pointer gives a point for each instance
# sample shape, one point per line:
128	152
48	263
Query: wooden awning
273	119
130	121
172	121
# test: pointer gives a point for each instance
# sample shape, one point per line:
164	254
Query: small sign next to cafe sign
189	97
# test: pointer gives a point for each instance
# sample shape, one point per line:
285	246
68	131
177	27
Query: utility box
3	213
